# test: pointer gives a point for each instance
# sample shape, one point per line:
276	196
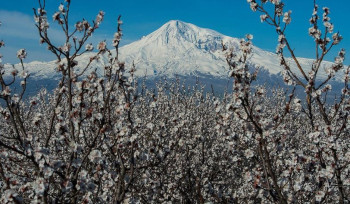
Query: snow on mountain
177	48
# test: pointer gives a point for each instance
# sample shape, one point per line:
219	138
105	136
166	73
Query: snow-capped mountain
176	48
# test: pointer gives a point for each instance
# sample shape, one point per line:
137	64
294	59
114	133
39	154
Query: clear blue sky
230	17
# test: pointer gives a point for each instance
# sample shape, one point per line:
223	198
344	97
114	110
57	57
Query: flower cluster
58	15
41	19
99	17
21	54
286	18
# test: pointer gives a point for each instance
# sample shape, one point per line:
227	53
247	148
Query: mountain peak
179	26
176	32
175	23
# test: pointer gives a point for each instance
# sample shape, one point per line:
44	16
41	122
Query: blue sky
230	17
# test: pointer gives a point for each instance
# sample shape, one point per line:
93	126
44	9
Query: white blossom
287	19
21	54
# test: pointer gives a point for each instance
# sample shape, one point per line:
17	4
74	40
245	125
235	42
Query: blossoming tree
100	137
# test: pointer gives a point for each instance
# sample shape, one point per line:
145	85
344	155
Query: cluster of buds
287	79
118	35
253	5
279	6
89	47
21	54
41	19
326	19
57	16
338	62
117	38
263	17
99	17
239	69
314	17
287	19
245	45
281	43
336	38
314	31
81	26
102	46
66	47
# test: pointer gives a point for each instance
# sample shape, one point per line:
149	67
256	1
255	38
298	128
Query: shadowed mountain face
179	49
